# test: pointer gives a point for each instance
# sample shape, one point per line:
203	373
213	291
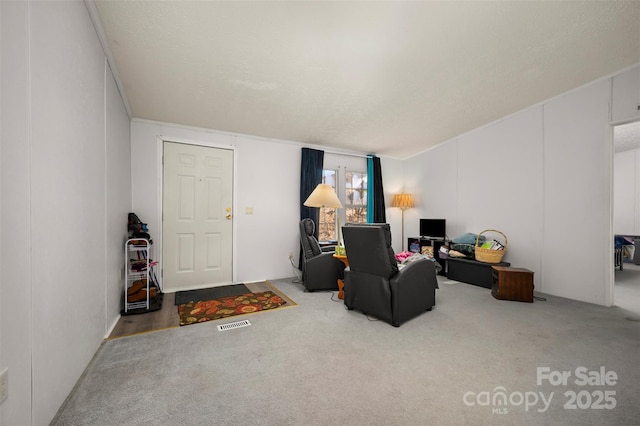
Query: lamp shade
323	196
403	201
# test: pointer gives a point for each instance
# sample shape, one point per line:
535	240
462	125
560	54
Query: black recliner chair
376	286
320	270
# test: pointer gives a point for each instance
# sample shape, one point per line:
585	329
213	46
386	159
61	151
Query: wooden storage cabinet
512	284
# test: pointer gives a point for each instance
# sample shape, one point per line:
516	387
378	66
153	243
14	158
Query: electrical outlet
4	385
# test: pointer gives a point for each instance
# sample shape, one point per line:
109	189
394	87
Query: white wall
118	196
487	179
15	229
550	191
577	195
65	195
433	179
267	179
392	183
626	193
501	190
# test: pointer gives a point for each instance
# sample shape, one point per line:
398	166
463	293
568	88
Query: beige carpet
321	364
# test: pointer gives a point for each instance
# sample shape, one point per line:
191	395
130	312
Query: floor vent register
234	325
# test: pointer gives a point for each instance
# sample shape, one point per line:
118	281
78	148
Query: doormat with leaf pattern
209	310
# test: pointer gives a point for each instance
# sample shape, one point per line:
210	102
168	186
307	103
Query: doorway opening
626	216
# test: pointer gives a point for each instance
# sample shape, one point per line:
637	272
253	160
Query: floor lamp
402	201
325	196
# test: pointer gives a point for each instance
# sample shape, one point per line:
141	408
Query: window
351	188
356	197
327	222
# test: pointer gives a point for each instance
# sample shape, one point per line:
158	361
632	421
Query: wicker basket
489	255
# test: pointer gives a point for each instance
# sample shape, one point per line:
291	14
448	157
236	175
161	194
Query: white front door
197	220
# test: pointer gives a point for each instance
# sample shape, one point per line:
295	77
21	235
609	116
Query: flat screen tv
433	228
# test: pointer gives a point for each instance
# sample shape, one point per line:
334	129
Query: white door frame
157	243
610	297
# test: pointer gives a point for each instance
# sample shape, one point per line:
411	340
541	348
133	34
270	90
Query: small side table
344	260
512	284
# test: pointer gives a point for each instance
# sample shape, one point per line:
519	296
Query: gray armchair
320	270
376	286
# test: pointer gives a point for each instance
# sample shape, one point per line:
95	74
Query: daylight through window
351	188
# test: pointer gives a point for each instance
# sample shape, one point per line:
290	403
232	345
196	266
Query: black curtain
379	213
310	176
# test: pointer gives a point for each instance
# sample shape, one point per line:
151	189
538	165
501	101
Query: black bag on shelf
138	229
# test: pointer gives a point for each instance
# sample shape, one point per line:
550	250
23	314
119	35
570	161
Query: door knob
228	216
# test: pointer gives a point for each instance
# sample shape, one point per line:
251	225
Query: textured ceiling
392	78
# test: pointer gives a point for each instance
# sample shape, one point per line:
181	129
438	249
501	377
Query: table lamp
324	196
